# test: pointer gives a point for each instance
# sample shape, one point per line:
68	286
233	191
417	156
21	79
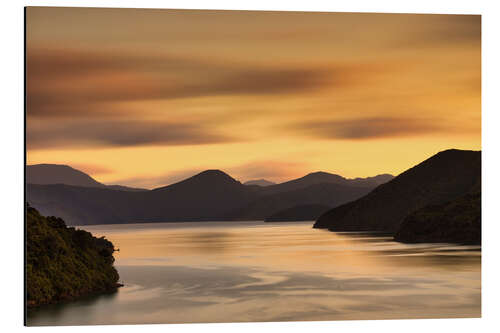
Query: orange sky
148	97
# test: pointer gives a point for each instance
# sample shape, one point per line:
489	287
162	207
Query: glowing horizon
141	97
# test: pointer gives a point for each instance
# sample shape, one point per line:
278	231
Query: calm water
254	271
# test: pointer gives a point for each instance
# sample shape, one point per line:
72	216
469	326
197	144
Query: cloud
117	133
462	28
78	98
76	82
365	128
435	30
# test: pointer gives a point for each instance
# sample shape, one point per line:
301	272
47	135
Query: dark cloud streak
61	82
365	128
118	133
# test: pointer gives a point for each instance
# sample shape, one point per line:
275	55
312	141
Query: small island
64	263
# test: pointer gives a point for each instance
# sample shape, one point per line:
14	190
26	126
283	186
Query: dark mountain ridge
209	195
327	194
79	205
45	174
441	178
325	177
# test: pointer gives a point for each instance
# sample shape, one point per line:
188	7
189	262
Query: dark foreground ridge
457	221
64	263
444	177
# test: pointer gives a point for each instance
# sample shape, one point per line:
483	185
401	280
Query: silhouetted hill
206	196
259	182
65	263
328	194
58	174
325	177
204	179
44	174
79	205
457	221
441	178
298	213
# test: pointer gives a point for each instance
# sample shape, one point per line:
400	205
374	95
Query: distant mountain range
210	195
44	174
259	182
277	198
436	200
439	180
328	178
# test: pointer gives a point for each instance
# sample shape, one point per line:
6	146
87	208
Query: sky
145	97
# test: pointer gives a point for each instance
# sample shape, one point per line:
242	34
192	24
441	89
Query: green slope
64	263
457	221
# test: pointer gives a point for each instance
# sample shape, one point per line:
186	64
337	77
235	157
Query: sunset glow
148	97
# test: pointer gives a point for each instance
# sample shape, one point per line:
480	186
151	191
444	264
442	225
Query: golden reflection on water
287	246
255	271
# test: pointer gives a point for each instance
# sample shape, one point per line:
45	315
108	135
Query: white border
11	132
438	6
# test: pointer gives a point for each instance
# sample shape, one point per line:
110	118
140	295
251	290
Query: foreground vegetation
64	263
457	221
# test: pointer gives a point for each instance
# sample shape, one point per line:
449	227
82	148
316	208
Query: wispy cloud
330	90
117	133
64	82
365	128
